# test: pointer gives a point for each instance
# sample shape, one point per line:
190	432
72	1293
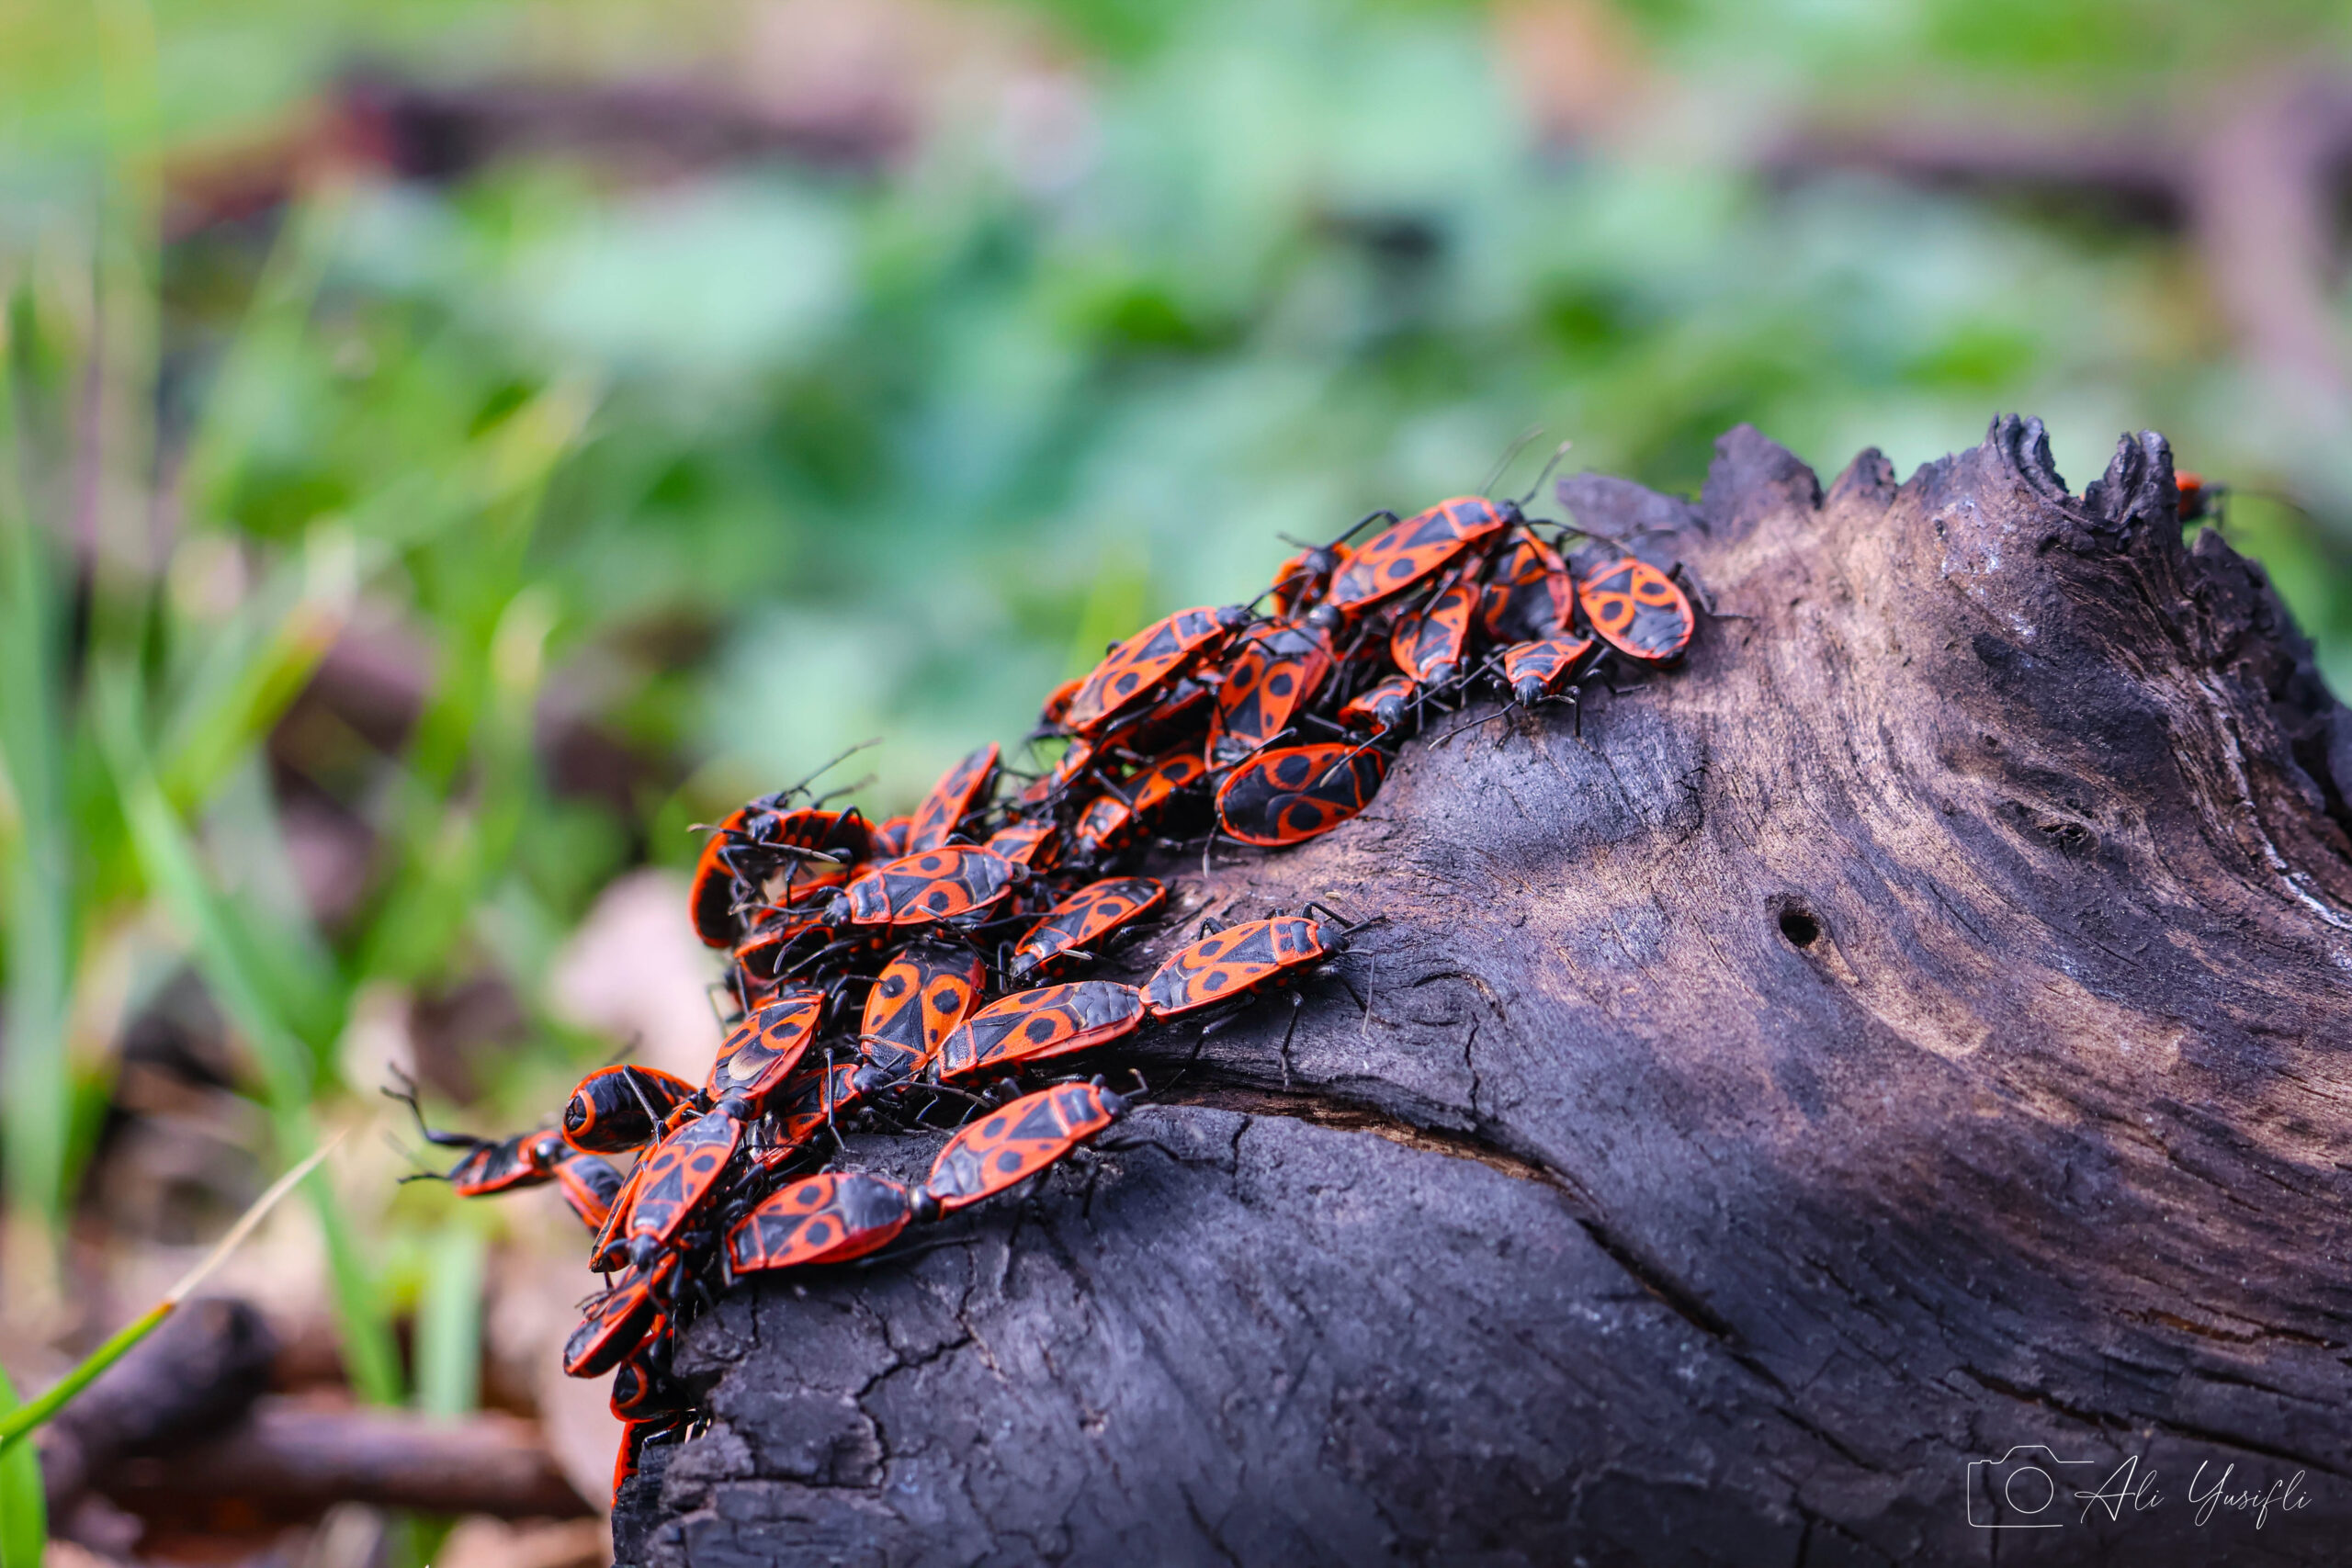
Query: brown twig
287	1457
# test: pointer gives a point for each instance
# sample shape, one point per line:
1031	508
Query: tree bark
1916	1029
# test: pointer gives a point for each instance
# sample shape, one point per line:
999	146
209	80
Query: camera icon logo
2017	1491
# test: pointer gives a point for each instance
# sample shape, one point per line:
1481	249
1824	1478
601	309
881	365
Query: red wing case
1536	669
1289	795
1415	550
1301	582
1037	845
761	1052
620	1321
962	791
1109	821
1008	1147
1274	672
1136	669
1379	709
1530	593
810	1102
1428	645
1638	611
920	995
635	1436
1052	1020
505	1166
1228	964
590	1186
820	1219
608	1251
677	1176
930	885
1085	917
711	898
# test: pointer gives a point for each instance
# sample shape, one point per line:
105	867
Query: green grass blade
253	670
26	1418
24	1513
17	1423
35	1106
168	860
448	1324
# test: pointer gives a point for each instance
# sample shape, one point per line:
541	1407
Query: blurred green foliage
741	469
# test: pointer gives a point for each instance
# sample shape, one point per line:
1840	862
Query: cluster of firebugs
887	970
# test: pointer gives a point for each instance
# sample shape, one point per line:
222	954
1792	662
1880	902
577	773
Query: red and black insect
1301	582
636	1438
1288	795
816	908
621	1319
920	995
1428	645
779	939
889	839
1082	920
1417	550
761	1052
1137	668
1056	705
710	897
2199	498
1177	716
813	848
960	792
944	883
621	1108
1028	1026
589	1186
505	1166
812	1101
1381	708
1274	672
676	1176
1068	769
1637	610
489	1165
830	1218
1240	959
643	1386
1110	820
1534	670
1530	593
607	1252
1009	1145
1037	845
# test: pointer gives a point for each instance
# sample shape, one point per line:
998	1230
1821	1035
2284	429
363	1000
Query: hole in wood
1800	926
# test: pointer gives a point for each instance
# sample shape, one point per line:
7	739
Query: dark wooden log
1916	1030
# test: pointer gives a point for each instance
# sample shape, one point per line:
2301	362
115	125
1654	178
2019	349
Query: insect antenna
790	790
1474	723
852	787
1357	526
1509	455
1558	453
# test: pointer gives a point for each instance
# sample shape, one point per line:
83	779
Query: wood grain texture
1916	1028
